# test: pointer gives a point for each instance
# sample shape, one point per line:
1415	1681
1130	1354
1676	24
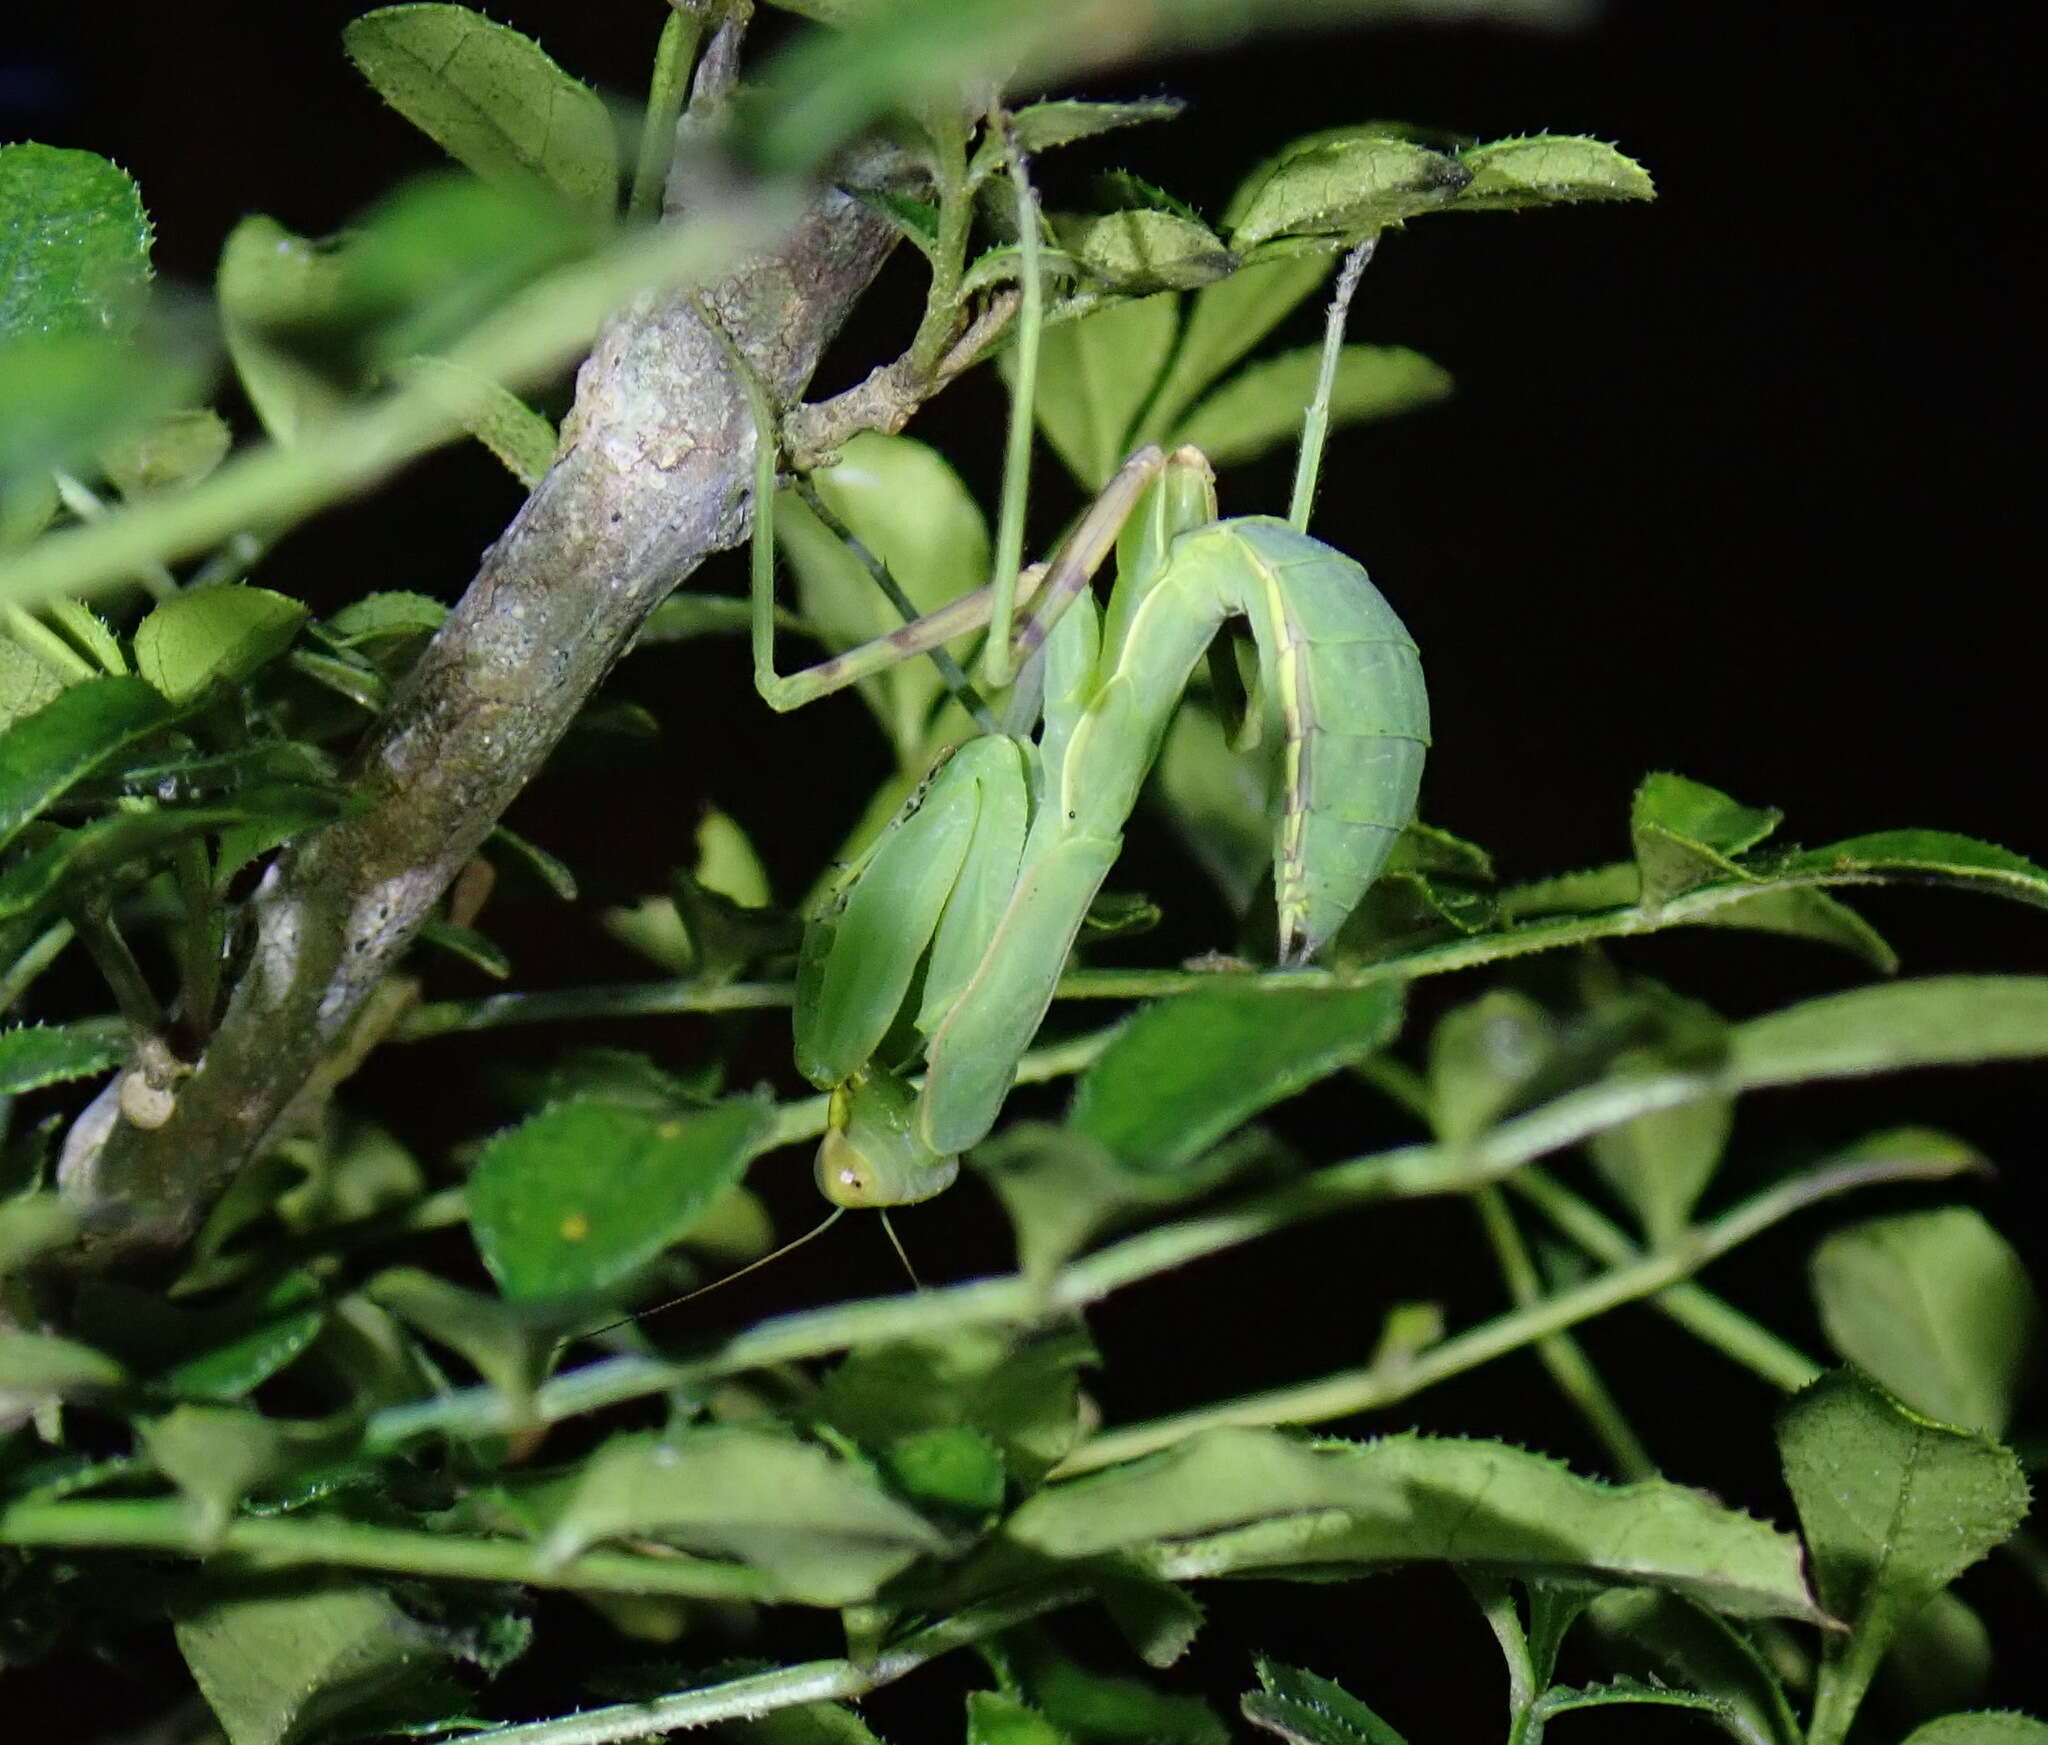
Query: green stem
956	681
815	1681
200	939
675	58
1711	1319
1410	1172
169	1524
156	578
941	318
23	971
122	973
1560	1354
996	662
1363	1390
1315	426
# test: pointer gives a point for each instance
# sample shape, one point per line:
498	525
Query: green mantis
945	942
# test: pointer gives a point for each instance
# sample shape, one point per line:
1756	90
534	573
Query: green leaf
474	948
1937	857
68	738
378	618
1261	407
1348	182
26	683
1224	322
505	1346
1094	1708
955	1468
1935	1305
1021	1397
1807	914
823	1529
916	221
491	99
74	244
214	636
1941	1659
727	862
39	1367
1674	1639
1549	170
1231	1501
903	501
1188	1071
586	1193
1216	800
1992	1727
32	1225
179	448
1687	834
216	1455
995	1719
1040	127
279	1667
1306	1710
543	865
1141	250
34	1055
1094	375
1936	1021
1895	1507
1562	1699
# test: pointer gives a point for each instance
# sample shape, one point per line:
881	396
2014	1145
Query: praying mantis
945	941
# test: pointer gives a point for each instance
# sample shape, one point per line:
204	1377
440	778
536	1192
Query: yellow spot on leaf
669	1130
575	1227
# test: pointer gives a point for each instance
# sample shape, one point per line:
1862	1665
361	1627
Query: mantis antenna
789	1247
895	1242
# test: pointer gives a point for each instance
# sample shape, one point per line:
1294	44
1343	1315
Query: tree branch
651	478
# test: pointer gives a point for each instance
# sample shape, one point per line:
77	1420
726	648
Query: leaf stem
1315	424
23	971
675	58
996	662
1560	1354
117	965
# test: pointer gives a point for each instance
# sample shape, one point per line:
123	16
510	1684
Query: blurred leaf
1224	321
1261	406
903	501
72	735
32	1225
211	636
179	448
277	292
34	1055
823	1529
523	441
1231	1501
954	1468
1894	1508
216	1455
1941	1659
995	1719
38	1367
1677	1640
310	1661
586	1193
1992	1727
1550	170
1936	1021
1935	1305
1306	1710
505	1346
474	948
1094	375
1187	1071
74	244
1483	1057
543	865
491	99
1216	798
1347	182
727	862
1141	250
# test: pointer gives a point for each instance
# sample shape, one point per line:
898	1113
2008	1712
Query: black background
1738	484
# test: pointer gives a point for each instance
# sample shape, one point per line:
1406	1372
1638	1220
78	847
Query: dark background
1737	485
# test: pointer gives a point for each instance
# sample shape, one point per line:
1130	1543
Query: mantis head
871	1155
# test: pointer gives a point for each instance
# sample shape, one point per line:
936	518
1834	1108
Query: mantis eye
870	1155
